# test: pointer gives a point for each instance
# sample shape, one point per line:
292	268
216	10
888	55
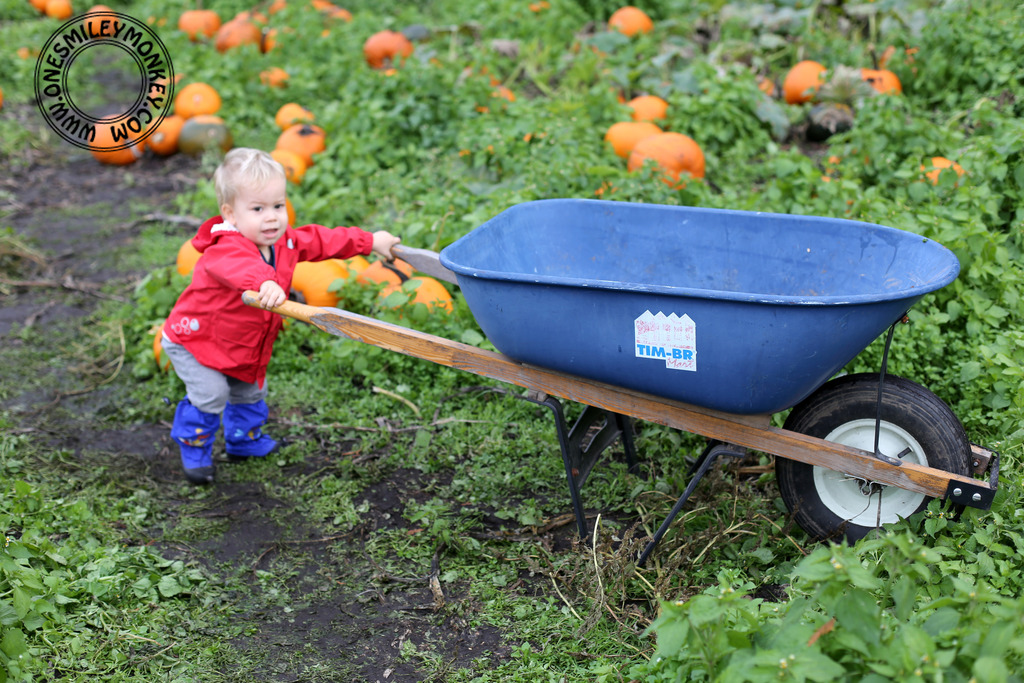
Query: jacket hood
211	231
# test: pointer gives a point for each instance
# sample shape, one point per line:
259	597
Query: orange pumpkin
335	14
237	32
274	77
187	257
268	40
385	47
357	264
802	81
937	164
303	139
674	153
116	157
291	211
290	114
313	278
196	99
648	108
59	9
389	273
162	361
199	22
424	290
882	80
630	21
504	93
624	135
294	165
164	140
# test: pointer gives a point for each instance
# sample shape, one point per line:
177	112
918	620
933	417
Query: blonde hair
244	167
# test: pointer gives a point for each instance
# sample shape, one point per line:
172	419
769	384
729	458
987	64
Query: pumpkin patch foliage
427	119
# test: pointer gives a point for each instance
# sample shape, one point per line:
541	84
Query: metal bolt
976	497
958	492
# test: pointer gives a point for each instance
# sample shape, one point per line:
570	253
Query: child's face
259	213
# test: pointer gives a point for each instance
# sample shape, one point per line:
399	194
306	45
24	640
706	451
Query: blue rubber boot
195	431
243	437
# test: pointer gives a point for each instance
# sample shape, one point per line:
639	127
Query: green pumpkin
201	133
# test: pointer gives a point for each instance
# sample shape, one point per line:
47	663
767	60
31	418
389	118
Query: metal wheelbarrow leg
582	447
700	467
594	431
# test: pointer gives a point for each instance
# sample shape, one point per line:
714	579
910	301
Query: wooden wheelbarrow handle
289	309
425	261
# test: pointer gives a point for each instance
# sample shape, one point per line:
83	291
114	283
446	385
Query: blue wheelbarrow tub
737	311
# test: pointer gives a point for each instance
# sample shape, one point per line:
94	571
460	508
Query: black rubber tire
825	504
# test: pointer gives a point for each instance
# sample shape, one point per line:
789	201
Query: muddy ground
84	217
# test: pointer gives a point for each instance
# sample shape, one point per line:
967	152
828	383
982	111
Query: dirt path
332	614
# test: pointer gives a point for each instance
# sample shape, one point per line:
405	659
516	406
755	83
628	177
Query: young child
219	346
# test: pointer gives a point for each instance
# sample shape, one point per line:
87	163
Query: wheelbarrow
709	321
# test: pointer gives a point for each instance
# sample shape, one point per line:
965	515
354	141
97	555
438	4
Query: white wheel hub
865	503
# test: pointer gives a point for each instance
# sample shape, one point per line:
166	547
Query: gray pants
207	389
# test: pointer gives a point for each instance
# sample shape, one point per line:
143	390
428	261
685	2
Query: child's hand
271	295
382	243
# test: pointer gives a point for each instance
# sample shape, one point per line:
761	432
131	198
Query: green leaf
919	192
858	613
986	567
21	551
7	614
932	525
970	371
471	337
904	595
57	557
990	670
13	643
22	602
704	609
1018	175
944	620
769	111
816	666
98	588
997	640
672	629
168	587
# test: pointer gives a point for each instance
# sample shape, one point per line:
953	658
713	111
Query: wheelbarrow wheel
916	426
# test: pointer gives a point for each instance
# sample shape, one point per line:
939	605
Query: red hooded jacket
210	319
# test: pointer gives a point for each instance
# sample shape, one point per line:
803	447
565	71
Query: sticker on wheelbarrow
670	338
